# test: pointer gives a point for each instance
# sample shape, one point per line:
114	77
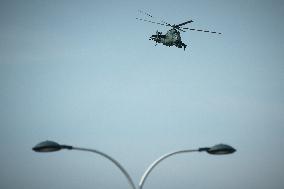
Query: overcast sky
84	73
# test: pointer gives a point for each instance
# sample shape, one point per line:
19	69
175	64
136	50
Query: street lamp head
47	146
221	149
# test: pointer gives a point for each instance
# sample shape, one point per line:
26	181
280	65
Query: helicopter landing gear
181	45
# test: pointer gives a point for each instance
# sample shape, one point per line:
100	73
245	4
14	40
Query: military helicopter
172	36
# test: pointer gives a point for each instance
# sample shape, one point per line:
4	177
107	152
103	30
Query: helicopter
172	37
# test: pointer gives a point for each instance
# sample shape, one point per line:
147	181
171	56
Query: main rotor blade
163	24
206	31
147	14
180	29
154	17
184	23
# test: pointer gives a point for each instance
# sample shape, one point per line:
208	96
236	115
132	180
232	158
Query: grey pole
113	161
156	162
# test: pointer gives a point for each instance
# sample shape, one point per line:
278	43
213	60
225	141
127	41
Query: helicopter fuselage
171	38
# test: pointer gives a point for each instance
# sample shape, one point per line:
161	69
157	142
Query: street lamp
50	146
219	149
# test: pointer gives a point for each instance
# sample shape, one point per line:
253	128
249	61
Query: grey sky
84	73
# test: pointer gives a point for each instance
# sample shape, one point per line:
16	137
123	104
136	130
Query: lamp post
220	149
50	146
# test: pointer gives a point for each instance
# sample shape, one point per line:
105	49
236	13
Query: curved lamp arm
156	162
113	161
50	146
